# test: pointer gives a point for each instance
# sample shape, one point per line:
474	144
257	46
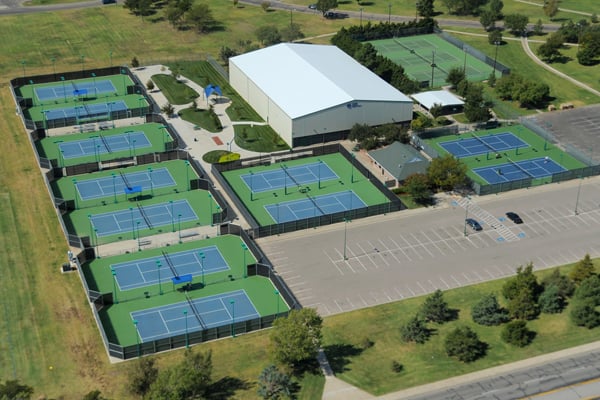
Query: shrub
150	84
366	343
435	308
464	344
397	367
551	301
517	334
415	331
135	62
584	313
488	312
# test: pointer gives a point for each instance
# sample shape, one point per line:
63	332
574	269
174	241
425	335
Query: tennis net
315	203
521	168
170	263
484	143
105	143
288	174
196	313
412	51
139	206
125	179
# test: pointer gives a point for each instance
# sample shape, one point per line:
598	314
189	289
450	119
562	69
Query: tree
94	395
168	109
551	301
487	19
134	62
582	270
415	330
225	53
190	379
417	185
447	172
517	334
524	305
436	110
13	389
584	313
389	133
463	87
488	311
142	376
201	18
538	28
516	24
325	5
476	107
589	289
464	344
274	384
174	14
464	7
291	32
435	308
421	122
495	36
589	46
563	283
455	76
550	8
150	85
297	337
360	132
265	5
525	279
496	7
268	35
425	8
550	50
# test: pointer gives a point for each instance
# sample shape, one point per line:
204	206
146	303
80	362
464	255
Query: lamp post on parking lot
466	216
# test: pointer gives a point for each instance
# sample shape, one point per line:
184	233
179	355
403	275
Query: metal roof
303	78
400	160
442	97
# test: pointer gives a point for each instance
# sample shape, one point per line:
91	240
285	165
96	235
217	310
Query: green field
416	54
181	172
538	147
349	179
78	221
159	138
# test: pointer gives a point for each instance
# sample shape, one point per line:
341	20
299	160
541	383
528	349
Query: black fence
391	203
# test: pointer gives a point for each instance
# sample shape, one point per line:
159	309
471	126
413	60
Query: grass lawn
176	92
203	118
370	367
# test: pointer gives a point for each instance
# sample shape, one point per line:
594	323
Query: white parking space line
444	282
366	255
421	244
410	247
421	286
489	273
387	249
355	257
398	293
412	293
478	276
429	241
456	280
467	278
338	305
444	240
378	253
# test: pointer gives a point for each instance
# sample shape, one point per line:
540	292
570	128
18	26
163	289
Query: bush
584	313
397	367
415	331
134	62
265	5
551	301
589	289
488	312
464	344
150	84
435	308
582	270
366	343
564	285
517	334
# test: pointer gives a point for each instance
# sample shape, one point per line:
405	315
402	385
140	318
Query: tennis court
145	272
85	111
285	176
533	168
142	217
111	185
104	144
314	206
483	144
57	92
194	315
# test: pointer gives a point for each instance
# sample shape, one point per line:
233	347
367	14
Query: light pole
245	248
179	223
466	216
134	140
151	184
277	300
114	180
94	79
283	167
219	220
110	56
91	230
123	72
132	224
232	302
82	64
60	160
432	66
62	78
389	13
137	228
76	191
187	174
32	93
97	244
578	192
201	254
137	337
140	105
172	216
211	209
164	135
319	173
187	342
345	236
158	265
96	148
352	174
114	275
251	185
495	56
23	62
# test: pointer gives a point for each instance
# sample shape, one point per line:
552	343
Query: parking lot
412	253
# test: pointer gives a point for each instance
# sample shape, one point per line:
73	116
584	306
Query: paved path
535	58
559	9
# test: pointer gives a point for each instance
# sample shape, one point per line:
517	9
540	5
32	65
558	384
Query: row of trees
525	297
369	137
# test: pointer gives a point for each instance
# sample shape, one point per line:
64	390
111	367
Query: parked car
473	224
514	217
312	6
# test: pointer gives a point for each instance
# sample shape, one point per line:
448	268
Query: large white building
314	93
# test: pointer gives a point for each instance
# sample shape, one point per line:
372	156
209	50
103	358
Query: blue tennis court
483	144
71	89
314	206
111	185
288	176
85	111
198	314
140	273
143	217
104	144
535	168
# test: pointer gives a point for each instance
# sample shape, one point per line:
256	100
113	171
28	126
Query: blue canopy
210	89
133	189
80	92
181	279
